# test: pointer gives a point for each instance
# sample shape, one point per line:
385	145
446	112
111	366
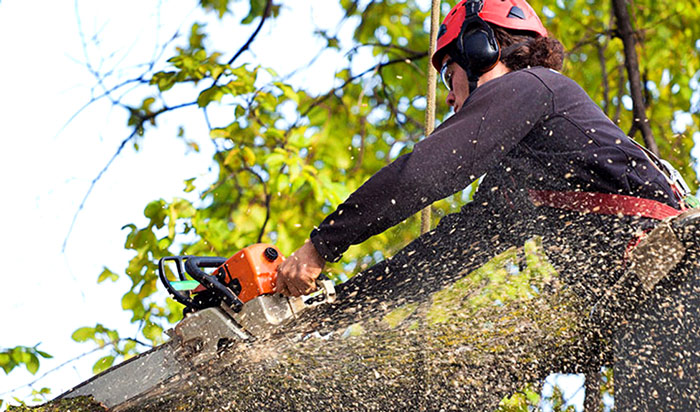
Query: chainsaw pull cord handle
193	265
177	295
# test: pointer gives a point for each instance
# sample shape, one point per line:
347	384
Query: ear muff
477	47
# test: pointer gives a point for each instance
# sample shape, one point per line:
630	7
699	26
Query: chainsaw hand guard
211	282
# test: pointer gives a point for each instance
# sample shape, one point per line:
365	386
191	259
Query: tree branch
357	76
69	361
246	45
629	41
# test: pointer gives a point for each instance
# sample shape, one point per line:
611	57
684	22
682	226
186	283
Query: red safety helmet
510	14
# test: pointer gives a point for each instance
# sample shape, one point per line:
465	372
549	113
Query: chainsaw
238	295
226	300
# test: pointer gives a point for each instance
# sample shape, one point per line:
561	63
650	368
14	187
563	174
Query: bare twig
129	138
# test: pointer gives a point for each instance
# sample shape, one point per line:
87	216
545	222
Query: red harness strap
603	203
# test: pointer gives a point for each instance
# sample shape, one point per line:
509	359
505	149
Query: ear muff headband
476	45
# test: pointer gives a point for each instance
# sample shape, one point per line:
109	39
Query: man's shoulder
533	77
548	77
559	85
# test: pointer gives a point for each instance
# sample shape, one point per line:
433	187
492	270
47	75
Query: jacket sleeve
493	120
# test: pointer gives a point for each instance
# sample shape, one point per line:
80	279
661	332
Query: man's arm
492	121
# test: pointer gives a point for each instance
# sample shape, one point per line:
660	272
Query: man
555	166
533	126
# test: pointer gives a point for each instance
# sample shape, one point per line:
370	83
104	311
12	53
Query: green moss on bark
79	404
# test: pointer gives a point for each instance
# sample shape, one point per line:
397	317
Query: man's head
467	35
487	38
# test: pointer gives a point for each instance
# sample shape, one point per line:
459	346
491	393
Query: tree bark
627	34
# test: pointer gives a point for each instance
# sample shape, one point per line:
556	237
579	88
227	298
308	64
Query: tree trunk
627	34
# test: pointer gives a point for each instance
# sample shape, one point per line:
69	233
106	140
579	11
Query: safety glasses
446	73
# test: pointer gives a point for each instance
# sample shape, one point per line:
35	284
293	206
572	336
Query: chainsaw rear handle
193	265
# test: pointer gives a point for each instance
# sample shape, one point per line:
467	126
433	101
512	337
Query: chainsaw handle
327	288
193	265
177	295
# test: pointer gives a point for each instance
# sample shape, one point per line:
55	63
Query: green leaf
103	363
32	364
175	310
189	185
152	332
164	80
248	156
107	274
128	348
130	300
219	6
6	362
256	9
155	211
83	334
288	91
197	35
333	43
208	95
113	335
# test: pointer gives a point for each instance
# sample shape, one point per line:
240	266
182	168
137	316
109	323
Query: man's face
455	79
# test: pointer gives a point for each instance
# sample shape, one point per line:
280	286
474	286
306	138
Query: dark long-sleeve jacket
529	129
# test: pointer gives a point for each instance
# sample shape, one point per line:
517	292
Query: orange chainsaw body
255	268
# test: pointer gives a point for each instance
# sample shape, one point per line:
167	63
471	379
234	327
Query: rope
430	97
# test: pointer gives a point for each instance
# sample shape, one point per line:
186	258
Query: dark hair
522	49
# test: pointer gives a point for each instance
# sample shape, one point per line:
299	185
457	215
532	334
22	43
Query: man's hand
296	276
